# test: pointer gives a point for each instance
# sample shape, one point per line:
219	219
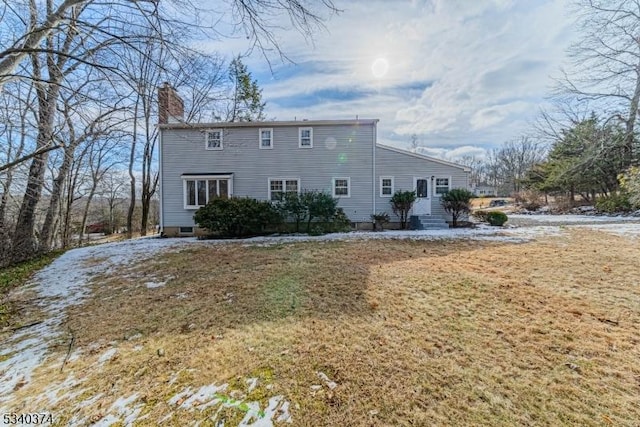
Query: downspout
373	180
160	214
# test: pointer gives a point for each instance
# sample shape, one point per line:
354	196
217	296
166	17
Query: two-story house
200	161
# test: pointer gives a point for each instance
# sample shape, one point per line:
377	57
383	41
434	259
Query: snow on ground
626	230
573	219
60	285
212	395
64	283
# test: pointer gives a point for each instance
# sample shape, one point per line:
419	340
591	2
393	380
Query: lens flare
330	143
380	67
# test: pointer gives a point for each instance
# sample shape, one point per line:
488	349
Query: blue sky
463	75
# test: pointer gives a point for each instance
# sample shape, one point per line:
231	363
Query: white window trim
393	185
270	147
186	178
333	187
310	129
206	140
435	193
284	185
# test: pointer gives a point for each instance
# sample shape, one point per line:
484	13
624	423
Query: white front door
422	205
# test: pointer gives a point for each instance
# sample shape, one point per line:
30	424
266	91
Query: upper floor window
279	186
386	186
341	187
266	138
305	137
214	139
443	185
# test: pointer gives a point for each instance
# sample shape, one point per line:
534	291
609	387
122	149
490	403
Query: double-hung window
341	187
386	186
200	190
266	139
213	139
305	137
443	185
279	186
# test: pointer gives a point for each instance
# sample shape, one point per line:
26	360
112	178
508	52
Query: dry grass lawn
413	333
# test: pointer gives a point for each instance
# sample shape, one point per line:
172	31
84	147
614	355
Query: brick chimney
170	105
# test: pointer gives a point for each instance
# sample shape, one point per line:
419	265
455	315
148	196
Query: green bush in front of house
292	208
340	222
496	218
456	202
318	209
321	206
401	203
237	217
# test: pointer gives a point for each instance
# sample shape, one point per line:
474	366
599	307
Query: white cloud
484	65
496	114
455	154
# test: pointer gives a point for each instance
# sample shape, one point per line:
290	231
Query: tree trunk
631	120
25	243
66	217
46	235
4	199
145	217
85	212
572	196
132	177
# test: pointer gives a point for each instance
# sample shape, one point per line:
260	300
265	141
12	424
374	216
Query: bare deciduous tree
57	43
606	62
508	165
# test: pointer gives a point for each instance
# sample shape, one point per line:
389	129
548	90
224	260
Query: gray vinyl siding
183	152
404	167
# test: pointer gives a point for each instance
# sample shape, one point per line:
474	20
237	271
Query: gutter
160	214
373	180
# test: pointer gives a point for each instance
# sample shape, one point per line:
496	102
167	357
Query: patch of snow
107	355
90	401
276	408
166	418
572	219
327	381
285	416
77	420
625	230
180	396
159	283
75	355
203	398
53	390
122	411
174	377
152	285
59	285
253	382
208	396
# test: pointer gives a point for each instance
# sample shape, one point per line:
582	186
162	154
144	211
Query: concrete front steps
427	222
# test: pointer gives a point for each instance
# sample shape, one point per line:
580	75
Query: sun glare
380	67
